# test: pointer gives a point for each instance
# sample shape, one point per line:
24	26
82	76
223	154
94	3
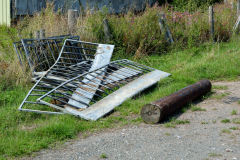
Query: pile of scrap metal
76	77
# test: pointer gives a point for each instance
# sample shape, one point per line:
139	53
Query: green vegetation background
193	57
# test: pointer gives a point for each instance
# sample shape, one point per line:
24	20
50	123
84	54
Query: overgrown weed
226	121
220	96
234	112
226	131
220	87
130	33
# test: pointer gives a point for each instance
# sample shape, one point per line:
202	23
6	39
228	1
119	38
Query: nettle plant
137	34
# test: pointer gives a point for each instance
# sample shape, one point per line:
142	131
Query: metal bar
72	82
77	54
51	50
29	94
16	50
37	111
101	59
33	102
107	104
130	63
45	52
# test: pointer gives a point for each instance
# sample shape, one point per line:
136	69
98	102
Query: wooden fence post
106	30
72	20
42	33
211	22
167	28
164	28
37	34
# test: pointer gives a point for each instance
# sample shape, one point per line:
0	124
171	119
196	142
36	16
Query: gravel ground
186	141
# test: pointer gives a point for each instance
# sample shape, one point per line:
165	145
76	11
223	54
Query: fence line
185	19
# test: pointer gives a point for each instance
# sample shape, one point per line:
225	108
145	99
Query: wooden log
157	110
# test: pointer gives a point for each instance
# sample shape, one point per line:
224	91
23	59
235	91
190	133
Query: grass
103	155
220	87
170	125
220	96
204	122
226	121
184	109
182	122
226	131
197	109
214	154
173	122
23	133
234	128
234	112
193	107
236	120
168	134
187	107
85	135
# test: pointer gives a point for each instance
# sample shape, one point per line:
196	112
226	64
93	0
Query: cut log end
151	113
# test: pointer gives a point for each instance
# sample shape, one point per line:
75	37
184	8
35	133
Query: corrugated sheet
24	7
115	6
5	14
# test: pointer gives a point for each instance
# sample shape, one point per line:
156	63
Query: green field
193	57
23	133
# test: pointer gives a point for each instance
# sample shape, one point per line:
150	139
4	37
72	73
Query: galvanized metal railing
88	85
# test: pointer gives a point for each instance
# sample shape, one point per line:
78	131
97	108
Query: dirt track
203	138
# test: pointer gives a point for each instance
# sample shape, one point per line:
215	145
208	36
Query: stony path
203	138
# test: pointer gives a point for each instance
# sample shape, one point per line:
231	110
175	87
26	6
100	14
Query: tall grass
137	37
133	34
23	133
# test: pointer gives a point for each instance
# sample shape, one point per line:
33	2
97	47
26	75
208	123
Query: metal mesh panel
40	54
80	85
